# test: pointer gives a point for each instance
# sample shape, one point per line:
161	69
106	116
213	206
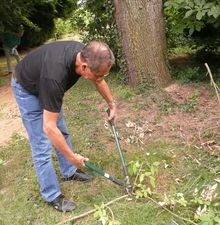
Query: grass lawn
149	132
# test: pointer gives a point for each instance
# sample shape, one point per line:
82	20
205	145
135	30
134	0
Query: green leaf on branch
215	12
209	218
189	13
1	162
152	181
199	15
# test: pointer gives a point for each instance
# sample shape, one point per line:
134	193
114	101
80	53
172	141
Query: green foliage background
37	16
192	15
95	20
191	21
195	22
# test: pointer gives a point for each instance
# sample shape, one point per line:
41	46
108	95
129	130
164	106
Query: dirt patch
10	120
206	116
194	118
200	127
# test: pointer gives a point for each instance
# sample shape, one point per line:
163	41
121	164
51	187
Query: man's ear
83	66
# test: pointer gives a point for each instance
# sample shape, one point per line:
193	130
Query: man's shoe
79	175
63	205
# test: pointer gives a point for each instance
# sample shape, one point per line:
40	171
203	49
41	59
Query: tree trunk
141	26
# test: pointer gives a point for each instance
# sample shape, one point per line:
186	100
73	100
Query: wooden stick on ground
91	211
117	199
212	81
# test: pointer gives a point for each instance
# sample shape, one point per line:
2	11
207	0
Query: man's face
88	74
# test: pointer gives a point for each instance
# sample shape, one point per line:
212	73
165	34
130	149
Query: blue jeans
32	117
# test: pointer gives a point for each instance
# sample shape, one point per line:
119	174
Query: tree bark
142	30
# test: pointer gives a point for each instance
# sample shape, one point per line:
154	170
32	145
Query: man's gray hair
96	54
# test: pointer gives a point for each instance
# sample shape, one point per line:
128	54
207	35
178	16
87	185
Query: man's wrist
112	103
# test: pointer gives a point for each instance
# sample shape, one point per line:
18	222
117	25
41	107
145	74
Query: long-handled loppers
128	186
127	183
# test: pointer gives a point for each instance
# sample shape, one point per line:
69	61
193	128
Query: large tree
142	30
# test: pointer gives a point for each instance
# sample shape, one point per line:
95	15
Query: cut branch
91	211
213	82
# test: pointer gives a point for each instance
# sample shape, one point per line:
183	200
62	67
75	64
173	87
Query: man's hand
78	160
112	111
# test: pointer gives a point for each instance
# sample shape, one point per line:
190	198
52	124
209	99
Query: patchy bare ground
10	120
191	115
204	117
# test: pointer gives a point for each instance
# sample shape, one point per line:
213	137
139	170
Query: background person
10	43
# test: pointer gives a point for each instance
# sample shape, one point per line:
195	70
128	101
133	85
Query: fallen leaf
130	124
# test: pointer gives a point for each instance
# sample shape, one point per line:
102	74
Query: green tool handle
112	123
104	174
94	168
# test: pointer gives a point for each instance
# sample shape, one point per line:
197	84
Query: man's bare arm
54	134
105	92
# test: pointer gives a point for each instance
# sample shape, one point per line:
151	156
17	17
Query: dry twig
91	211
213	82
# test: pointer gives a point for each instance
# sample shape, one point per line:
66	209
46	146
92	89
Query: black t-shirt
49	71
